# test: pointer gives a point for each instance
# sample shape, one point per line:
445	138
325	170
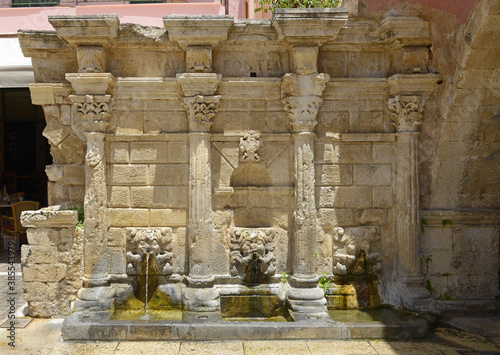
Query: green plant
423	223
81	214
427	260
446	222
266	4
324	283
283	277
446	274
429	286
447	297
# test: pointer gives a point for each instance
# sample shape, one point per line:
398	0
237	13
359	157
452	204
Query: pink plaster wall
460	8
12	19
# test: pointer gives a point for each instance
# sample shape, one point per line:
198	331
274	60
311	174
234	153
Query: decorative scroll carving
302	112
353	242
157	241
249	244
201	111
95	111
250	145
91	59
406	112
199	59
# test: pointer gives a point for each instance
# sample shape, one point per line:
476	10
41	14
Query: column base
93	299
200	296
414	296
305	300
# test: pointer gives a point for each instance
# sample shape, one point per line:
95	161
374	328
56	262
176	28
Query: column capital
201	111
94	111
406	112
302	97
301	112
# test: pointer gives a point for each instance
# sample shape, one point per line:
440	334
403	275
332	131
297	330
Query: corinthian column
406	112
93	111
302	99
201	106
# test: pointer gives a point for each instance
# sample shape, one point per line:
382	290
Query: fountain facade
232	169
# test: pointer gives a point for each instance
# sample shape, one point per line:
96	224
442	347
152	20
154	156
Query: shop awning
16	71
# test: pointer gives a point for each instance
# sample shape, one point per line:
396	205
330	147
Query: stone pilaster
93	112
302	97
201	106
406	112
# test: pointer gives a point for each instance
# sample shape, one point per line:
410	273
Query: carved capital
91	59
250	145
302	97
301	112
201	111
406	112
94	111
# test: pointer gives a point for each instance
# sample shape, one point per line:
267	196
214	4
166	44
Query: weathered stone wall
338	117
51	261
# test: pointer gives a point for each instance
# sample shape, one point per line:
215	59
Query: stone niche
238	157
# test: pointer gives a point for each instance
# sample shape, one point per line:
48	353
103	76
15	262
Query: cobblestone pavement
461	335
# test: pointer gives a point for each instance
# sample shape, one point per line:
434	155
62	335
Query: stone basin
347	324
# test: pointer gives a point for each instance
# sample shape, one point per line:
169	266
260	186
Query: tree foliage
263	4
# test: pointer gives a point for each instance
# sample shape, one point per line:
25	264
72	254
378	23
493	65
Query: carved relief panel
199	59
252	244
156	241
353	246
91	59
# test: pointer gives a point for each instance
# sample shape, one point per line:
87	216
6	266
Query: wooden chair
12	225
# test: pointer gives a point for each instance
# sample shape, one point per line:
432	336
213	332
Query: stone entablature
250	130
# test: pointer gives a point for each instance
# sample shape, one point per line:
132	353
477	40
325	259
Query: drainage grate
20	323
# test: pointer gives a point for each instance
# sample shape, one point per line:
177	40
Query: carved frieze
155	241
352	245
199	59
91	59
406	112
201	111
250	145
95	111
252	244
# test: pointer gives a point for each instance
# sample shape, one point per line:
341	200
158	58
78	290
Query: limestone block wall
148	187
51	261
459	256
178	103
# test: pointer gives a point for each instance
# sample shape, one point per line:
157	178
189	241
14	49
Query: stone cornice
91	83
200	30
461	217
99	30
303	26
412	84
198	83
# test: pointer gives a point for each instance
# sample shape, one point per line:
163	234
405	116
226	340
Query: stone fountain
230	172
